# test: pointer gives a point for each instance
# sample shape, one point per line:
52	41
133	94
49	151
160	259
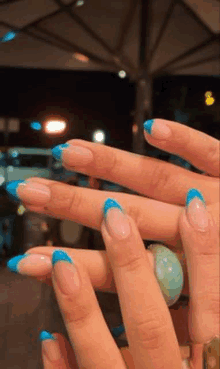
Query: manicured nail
32	192
72	155
30	264
50	346
65	272
11	188
196	210
116	220
168	272
157	129
58	150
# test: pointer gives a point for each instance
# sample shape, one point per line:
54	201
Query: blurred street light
55	126
99	136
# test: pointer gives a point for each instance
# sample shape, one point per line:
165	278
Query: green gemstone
168	272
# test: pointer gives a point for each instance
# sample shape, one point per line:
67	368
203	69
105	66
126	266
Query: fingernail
57	151
168	272
65	272
11	188
30	264
196	210
32	192
157	129
116	220
51	349
72	155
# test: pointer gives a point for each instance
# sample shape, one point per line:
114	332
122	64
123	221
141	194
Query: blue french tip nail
117	331
191	194
58	150
45	335
110	203
148	126
11	188
12	264
59	255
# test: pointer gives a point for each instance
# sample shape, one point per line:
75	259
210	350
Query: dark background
97	100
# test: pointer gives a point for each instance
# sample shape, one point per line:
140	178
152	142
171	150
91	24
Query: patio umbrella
144	38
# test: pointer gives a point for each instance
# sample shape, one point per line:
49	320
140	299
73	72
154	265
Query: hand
165	182
151	335
150	216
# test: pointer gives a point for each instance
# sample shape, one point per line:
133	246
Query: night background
98	100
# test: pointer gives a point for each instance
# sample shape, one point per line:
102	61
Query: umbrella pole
144	80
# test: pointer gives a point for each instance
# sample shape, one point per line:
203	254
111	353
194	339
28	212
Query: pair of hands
126	267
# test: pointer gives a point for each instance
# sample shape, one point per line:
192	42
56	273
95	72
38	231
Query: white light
99	136
80	3
55	126
122	74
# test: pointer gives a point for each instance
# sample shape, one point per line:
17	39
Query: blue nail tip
12	264
148	125
45	335
117	331
58	150
11	188
191	194
59	255
110	203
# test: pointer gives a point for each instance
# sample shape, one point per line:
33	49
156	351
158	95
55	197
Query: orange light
134	128
81	57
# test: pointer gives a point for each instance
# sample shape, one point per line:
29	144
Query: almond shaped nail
30	264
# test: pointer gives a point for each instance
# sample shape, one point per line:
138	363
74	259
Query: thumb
200	239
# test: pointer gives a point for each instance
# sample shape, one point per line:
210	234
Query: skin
159	214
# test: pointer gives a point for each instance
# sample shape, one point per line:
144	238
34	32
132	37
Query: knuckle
213	153
63	197
110	166
77	314
128	263
160	179
150	333
210	303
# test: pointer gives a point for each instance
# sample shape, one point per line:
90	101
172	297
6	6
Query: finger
38	266
148	323
200	237
82	316
66	351
159	180
51	353
198	148
156	220
36	263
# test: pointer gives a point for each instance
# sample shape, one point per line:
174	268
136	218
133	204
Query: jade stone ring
169	273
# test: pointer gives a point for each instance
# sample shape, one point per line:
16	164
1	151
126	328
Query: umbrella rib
126	26
196	17
116	58
162	30
185	54
52	43
72	47
212	58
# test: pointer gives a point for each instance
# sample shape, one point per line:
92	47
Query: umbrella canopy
183	37
143	38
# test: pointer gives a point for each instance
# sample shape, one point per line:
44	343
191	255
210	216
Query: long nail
31	192
30	264
116	220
